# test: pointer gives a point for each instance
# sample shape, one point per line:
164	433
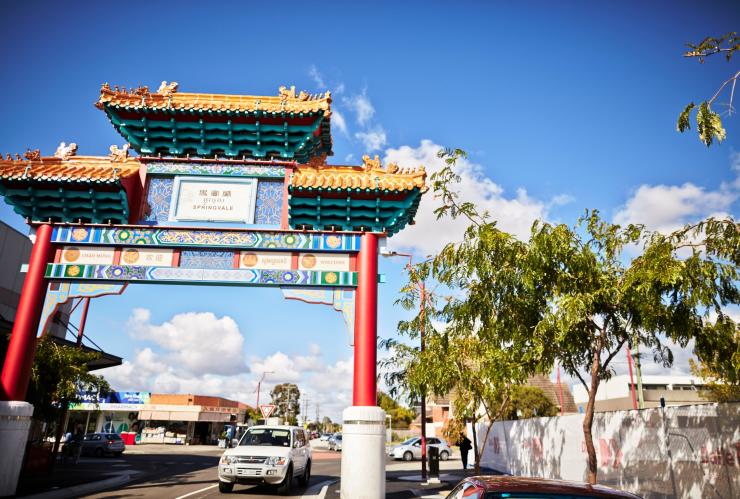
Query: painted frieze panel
323	261
173	237
158	198
159	257
207	259
271	260
87	254
269	203
221	169
253	277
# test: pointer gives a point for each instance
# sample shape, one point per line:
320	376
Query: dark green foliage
286	398
401	416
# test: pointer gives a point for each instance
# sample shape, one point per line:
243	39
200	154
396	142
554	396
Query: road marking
197	491
319	490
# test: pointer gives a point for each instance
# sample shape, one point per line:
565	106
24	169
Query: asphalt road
193	476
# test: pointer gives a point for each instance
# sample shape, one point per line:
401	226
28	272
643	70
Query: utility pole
422	317
259	384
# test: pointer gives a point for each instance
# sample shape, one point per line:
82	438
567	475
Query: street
193	475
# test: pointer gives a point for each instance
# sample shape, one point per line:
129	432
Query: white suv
267	454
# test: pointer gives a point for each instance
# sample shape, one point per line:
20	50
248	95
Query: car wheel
283	488
444	455
99	452
408	456
225	487
306	475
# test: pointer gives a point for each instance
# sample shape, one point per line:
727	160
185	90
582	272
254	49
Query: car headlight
228	459
275	461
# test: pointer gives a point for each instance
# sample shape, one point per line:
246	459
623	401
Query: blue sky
562	107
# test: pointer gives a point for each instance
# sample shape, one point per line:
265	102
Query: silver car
411	449
335	442
99	444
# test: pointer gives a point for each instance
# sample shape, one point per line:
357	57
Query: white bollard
363	453
15	421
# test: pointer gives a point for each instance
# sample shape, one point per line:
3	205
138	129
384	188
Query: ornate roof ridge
167	96
370	175
73	168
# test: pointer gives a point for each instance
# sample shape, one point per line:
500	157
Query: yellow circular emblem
333	241
79	234
331	278
249	259
73	271
131	256
71	254
308	261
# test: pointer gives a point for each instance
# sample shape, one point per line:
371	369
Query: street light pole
422	311
259	384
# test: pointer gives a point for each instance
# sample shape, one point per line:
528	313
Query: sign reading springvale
210	199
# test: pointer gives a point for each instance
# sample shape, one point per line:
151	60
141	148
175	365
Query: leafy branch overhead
708	122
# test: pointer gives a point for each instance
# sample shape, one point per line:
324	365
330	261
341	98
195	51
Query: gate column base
15	421
363	453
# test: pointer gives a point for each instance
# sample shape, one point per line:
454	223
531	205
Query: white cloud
193	340
212	362
514	214
316	76
338	121
362	107
668	207
373	139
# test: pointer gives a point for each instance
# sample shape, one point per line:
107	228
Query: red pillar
19	358
366	322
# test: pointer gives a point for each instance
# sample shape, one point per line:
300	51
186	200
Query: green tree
60	375
529	402
401	417
286	398
572	295
708	122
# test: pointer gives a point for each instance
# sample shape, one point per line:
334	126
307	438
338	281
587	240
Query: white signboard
150	257
87	255
323	261
265	260
213	199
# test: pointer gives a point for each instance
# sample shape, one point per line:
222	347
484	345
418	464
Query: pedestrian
77	443
465	446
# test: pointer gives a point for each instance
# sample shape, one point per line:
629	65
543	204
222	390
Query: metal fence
687	451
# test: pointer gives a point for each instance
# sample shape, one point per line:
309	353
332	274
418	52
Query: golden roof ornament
118	155
65	151
34	155
371	163
167	89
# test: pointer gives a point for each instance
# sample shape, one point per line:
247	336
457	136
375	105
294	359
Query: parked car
325	437
411	449
267	454
335	442
99	444
490	487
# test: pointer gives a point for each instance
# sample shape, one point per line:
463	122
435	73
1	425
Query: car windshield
266	436
410	441
113	436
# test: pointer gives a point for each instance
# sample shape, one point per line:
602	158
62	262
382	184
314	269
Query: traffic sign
266	410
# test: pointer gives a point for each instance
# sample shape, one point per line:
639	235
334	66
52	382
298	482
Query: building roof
70	188
355	198
168	97
370	176
552	392
290	125
85	169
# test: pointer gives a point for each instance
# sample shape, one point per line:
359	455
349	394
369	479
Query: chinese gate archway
225	190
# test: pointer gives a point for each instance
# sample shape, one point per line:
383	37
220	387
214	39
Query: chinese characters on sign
214	201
